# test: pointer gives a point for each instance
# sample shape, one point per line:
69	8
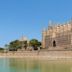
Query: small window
54	43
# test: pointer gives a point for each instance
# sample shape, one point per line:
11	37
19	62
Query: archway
54	43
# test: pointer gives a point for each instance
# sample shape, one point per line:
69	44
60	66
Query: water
33	65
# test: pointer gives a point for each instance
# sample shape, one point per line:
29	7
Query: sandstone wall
62	35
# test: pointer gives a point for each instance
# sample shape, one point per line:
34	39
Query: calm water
28	65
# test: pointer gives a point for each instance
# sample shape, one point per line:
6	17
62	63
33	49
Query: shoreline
45	55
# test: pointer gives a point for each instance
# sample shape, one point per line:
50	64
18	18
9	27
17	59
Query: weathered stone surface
58	36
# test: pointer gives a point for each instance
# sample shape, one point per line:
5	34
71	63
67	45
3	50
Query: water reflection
24	65
33	65
4	65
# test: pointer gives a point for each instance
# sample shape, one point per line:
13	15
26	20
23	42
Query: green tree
16	44
35	43
1	49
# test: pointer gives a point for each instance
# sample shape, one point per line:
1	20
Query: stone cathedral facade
58	37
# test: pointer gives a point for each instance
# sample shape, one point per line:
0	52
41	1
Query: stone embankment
50	55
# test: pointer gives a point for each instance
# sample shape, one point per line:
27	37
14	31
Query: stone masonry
58	37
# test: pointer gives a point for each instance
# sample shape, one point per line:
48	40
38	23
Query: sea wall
50	55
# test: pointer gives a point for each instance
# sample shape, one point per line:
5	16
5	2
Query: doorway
54	43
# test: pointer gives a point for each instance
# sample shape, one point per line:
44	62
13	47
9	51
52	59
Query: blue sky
29	17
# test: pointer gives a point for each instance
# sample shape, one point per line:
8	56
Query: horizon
30	17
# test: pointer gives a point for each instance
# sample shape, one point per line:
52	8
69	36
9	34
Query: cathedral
57	36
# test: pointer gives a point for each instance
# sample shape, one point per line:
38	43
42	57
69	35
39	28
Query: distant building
23	38
24	44
58	37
